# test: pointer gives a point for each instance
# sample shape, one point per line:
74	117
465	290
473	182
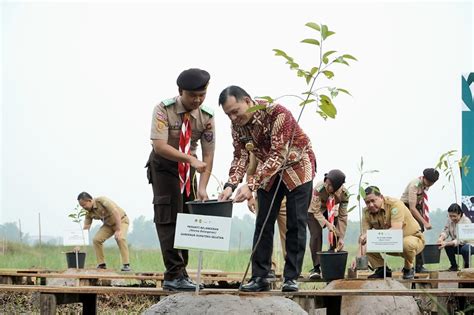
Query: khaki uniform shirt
103	209
318	206
413	194
450	230
168	118
392	211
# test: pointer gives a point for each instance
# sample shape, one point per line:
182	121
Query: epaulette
169	102
320	187
207	110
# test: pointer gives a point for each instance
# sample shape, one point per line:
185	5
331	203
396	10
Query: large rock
188	303
368	305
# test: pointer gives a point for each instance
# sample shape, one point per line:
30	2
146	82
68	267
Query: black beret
431	174
193	79
336	177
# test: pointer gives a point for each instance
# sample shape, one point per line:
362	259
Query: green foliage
323	97
77	214
445	165
361	189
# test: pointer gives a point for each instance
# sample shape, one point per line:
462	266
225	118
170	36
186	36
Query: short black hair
233	90
455	208
84	196
373	190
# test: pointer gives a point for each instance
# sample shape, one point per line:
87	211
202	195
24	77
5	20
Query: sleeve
445	232
87	220
238	166
412	192
208	137
315	207
342	217
159	123
365	222
280	138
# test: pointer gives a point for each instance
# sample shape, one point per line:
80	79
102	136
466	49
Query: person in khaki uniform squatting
177	125
281	219
268	132
384	213
115	222
414	198
329	192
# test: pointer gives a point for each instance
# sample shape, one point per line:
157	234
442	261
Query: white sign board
384	241
75	237
466	232
202	232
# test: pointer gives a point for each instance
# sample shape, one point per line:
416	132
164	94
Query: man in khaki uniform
331	187
115	222
177	125
383	213
281	219
413	199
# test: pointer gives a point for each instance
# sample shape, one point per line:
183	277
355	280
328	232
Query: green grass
53	257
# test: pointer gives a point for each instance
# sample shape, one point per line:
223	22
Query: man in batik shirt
283	151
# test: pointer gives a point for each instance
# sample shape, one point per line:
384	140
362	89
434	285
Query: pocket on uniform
163	210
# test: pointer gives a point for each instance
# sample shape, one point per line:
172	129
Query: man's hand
202	194
340	245
225	194
198	165
118	234
363	239
330	226
252	204
243	193
427	225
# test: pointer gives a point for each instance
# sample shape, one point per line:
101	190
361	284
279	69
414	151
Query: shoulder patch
394	211
207	110
169	101
320	187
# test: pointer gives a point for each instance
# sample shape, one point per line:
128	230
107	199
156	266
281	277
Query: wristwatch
230	185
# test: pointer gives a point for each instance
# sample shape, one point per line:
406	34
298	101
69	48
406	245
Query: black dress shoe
201	286
178	284
421	269
378	274
408	273
289	286
257	284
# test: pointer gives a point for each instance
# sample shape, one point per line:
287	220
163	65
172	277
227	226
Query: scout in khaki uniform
318	218
383	213
414	198
115	222
177	125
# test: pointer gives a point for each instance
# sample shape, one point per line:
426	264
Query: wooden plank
158	292
47	304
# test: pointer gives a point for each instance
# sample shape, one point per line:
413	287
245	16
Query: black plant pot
211	207
333	264
71	259
431	254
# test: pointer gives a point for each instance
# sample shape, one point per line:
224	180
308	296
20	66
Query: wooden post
39	237
19	228
48	304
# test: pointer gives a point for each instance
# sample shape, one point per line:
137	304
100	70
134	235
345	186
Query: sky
79	81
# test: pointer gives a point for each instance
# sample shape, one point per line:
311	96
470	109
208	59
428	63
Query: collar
94	205
180	109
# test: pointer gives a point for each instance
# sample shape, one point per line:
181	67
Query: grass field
53	257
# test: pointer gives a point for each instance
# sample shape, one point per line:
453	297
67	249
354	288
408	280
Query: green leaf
311	41
313	25
266	98
362	192
334	93
294	65
328	74
255	108
322	114
306	102
351	208
344	91
326	55
279	52
329	33
347	56
314	70
300	73
308	78
324	31
327	106
72	215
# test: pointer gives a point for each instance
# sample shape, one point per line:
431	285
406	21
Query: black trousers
167	203
297	203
